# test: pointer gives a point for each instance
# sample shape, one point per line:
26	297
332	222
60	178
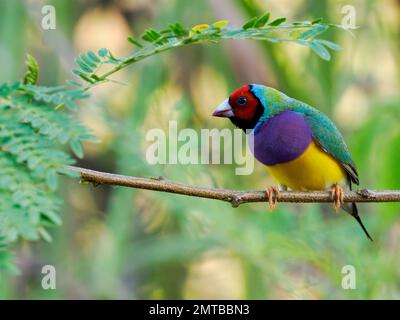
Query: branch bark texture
235	197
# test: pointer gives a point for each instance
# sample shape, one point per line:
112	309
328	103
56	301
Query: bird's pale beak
224	110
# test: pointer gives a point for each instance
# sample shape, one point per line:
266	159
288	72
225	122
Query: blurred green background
128	244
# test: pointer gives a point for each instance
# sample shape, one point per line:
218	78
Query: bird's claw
337	195
273	195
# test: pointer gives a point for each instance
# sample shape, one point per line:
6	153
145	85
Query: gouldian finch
299	145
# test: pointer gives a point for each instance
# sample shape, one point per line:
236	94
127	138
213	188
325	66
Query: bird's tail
351	208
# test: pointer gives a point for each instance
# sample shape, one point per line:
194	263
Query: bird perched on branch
299	145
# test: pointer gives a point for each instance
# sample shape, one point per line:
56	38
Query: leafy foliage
176	35
33	129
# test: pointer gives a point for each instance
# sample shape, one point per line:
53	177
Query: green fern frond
32	74
34	134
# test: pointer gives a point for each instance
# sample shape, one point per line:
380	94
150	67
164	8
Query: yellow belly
313	170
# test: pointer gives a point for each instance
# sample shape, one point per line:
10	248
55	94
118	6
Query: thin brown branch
235	197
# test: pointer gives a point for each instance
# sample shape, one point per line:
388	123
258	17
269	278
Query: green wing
328	137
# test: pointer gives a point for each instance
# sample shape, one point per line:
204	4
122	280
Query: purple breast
280	139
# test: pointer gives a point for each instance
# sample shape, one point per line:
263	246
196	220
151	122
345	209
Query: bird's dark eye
241	101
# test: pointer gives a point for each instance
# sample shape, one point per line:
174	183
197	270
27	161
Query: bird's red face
242	107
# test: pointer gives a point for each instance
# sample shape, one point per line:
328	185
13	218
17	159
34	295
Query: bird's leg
337	195
273	195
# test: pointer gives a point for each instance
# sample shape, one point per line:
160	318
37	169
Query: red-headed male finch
299	145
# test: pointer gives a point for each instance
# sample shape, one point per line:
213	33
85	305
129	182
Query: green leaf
76	147
82	76
277	22
91	55
320	50
250	24
72	82
151	35
95	77
83	65
313	32
71	105
261	21
52	180
7	262
103	52
178	29
6	90
88	137
32	74
44	234
329	44
87	60
53	217
135	42
316	21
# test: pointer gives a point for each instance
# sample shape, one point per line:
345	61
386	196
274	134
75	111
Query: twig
235	197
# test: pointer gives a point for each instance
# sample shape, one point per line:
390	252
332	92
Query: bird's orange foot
337	195
273	195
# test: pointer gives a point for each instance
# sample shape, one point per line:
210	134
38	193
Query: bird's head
245	107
